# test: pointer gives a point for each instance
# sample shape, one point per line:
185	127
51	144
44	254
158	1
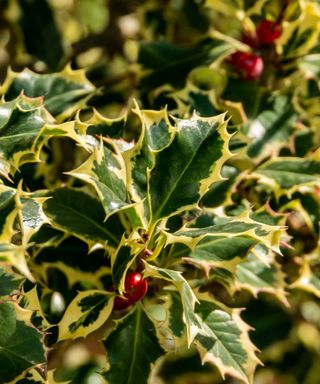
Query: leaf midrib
228	352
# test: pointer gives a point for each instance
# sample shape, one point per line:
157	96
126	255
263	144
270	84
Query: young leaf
132	349
86	313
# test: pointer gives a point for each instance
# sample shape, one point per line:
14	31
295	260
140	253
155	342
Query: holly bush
159	192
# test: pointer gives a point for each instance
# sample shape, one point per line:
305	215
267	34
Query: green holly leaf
64	92
272	128
132	349
227	344
288	174
256	276
9	281
308	280
20	343
221	251
7	321
68	210
8	213
169	63
86	313
184	171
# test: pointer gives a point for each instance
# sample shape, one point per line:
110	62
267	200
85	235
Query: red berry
135	287
268	31
250	39
120	303
249	66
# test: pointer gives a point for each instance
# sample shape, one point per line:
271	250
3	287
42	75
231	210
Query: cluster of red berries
135	287
250	65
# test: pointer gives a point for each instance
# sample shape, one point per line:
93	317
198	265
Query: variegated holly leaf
8	213
25	126
80	214
9	281
132	348
33	376
188	298
87	267
105	171
184	171
301	34
101	126
221	251
64	92
247	230
288	174
307	280
86	313
156	134
219	192
21	345
256	276
15	255
226	343
272	128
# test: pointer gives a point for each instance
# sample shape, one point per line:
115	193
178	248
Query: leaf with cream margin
195	157
8	212
87	312
156	134
256	276
105	171
25	126
248	231
307	280
287	175
188	298
64	92
226	343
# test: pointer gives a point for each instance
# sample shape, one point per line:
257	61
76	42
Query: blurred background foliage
172	52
